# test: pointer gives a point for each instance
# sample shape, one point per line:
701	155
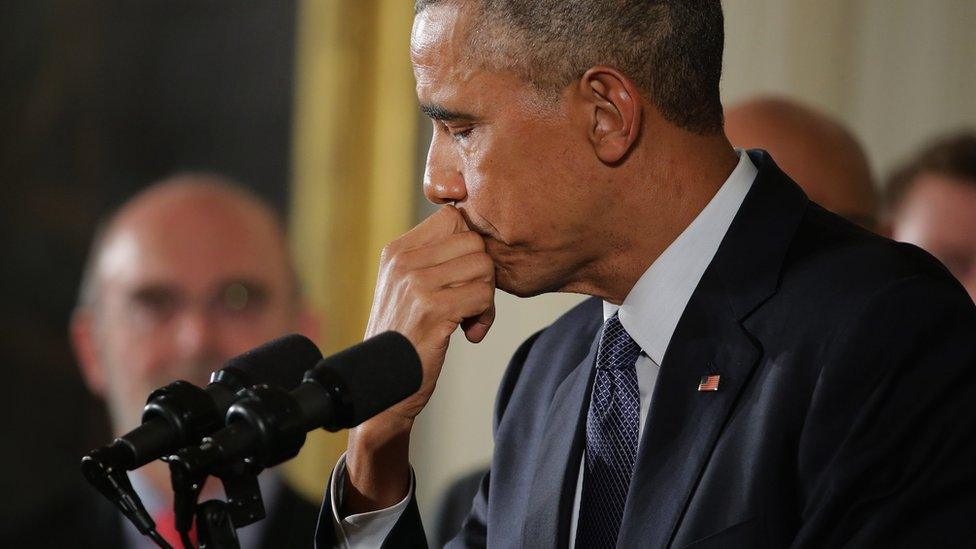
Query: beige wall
898	71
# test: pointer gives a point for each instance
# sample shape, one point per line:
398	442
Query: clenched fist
431	280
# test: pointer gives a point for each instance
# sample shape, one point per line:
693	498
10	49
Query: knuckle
473	240
411	282
487	290
484	262
390	251
424	314
427	307
398	264
405	261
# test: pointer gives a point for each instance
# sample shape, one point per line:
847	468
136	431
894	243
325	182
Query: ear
616	114
83	341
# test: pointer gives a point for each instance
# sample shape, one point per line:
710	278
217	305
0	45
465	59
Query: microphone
267	425
181	413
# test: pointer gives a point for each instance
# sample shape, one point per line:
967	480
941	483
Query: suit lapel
554	485
684	423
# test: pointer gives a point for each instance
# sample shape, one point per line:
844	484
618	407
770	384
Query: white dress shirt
649	313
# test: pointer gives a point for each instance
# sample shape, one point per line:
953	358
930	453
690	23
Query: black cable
160	541
187	542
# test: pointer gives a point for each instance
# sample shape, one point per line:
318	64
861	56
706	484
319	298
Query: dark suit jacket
454	505
86	520
845	415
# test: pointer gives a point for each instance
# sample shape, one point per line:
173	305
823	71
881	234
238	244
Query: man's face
516	166
181	290
939	215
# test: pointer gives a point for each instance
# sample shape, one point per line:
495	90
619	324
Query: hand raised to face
431	280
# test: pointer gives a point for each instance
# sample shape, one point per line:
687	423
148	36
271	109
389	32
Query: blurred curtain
353	171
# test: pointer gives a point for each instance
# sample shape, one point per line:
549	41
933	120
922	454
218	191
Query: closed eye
461	135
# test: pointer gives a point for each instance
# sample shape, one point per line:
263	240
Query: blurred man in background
186	275
819	153
931	202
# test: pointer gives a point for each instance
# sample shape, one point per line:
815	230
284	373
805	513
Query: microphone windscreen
280	363
369	377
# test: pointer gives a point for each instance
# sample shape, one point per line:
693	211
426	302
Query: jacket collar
683	424
654	305
751	256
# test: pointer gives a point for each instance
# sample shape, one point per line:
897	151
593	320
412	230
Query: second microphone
268	425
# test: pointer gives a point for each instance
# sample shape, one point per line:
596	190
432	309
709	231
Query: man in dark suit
185	275
454	505
752	370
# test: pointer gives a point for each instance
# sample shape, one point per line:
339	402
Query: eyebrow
155	293
439	112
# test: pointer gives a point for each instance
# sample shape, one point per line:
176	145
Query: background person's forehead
193	244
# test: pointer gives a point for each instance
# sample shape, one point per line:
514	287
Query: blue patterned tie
612	425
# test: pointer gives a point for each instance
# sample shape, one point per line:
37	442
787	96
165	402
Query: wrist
377	464
381	433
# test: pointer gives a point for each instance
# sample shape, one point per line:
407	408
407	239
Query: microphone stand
100	468
266	426
217	520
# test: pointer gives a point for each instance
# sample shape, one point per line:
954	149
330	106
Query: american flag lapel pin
709	383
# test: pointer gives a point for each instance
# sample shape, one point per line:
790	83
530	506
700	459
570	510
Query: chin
518	291
521	284
524	272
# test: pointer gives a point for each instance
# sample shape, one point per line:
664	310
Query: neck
666	189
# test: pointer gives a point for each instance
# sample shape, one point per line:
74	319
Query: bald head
821	155
195	216
187	274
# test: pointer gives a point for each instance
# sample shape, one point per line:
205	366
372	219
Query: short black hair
953	155
671	48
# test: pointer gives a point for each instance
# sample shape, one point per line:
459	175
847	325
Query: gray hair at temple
672	49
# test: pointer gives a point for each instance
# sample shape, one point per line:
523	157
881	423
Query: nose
195	336
443	182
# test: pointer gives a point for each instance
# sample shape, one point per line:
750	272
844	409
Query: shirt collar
651	310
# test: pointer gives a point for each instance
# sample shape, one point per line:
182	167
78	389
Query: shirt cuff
365	530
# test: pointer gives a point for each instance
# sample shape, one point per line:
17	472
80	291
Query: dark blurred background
100	98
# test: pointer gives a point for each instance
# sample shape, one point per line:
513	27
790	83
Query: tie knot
617	349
